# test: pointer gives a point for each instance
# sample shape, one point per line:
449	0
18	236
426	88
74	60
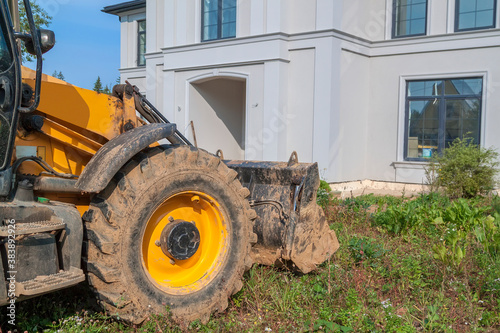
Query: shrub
323	197
464	170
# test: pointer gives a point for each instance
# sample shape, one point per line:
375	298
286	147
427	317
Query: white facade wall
322	77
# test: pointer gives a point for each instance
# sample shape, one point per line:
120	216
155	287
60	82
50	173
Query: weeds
365	249
488	234
410	216
384	278
452	250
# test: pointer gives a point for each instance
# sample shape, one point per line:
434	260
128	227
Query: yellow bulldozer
91	191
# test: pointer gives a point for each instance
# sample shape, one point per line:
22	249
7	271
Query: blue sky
87	41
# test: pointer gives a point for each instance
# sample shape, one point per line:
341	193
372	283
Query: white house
369	89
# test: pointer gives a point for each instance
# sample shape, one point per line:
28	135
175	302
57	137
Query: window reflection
409	17
475	14
219	19
438	112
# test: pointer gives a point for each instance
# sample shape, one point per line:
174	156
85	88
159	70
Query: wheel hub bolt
158	243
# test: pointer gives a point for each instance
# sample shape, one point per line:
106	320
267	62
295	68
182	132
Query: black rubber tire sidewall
117	219
132	238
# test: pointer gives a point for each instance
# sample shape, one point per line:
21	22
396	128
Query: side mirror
47	41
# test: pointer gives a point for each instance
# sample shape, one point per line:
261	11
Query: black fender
118	151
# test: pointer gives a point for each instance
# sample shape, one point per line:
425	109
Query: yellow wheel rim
181	276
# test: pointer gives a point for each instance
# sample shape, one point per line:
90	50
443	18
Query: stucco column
151	80
169	95
326	141
124	46
257	23
274	128
329	14
275	11
169	23
151	26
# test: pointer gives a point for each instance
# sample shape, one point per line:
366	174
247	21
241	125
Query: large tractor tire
173	230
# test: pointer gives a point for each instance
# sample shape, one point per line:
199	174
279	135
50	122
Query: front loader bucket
291	228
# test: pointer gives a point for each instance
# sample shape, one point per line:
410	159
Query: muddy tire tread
107	226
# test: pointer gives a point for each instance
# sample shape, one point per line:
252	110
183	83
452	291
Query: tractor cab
40	242
16	97
10	81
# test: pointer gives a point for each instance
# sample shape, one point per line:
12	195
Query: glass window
409	18
475	14
219	19
5	54
141	43
438	112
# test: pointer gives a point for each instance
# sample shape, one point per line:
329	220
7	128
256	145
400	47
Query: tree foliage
42	20
59	75
98	85
106	90
100	88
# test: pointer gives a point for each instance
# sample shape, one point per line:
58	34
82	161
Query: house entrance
217	109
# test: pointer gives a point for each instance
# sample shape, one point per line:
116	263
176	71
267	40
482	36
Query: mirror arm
22	36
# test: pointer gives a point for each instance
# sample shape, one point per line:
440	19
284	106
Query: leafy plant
452	250
410	272
464	214
357	204
324	196
365	249
430	322
464	169
488	234
457	221
401	218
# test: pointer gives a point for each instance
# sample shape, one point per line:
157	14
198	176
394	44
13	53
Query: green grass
385	277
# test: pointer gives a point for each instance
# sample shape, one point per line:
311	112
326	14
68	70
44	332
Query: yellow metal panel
41	152
81	109
77	123
66	135
28	73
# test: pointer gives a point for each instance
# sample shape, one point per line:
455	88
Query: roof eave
124	7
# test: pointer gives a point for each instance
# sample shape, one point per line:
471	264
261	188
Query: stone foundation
360	187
